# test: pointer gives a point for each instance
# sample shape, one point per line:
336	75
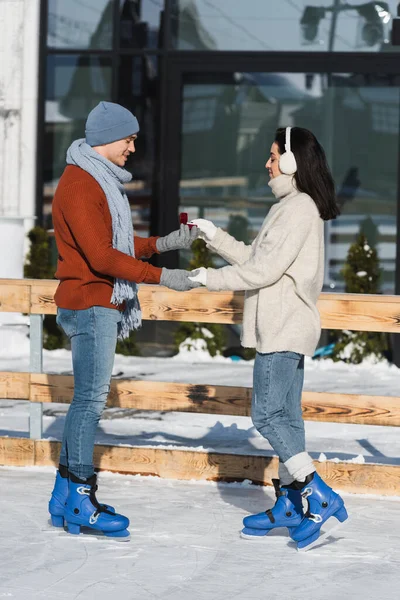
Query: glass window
138	91
324	25
80	24
227	130
140	23
75	84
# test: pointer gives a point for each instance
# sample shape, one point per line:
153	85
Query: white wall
19	52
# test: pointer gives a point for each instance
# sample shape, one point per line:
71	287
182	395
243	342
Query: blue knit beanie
109	122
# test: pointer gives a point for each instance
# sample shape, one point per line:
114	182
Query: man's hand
207	229
199	276
177	279
180	239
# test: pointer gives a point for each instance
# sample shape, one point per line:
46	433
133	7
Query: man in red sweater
98	267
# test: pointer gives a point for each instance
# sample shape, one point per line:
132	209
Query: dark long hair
313	176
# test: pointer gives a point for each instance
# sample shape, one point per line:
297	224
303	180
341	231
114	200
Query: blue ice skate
323	503
83	510
287	512
59	497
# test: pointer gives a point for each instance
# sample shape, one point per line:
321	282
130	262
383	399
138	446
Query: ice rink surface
185	545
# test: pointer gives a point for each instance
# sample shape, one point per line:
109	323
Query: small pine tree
361	274
128	346
213	334
39	266
238	227
38	261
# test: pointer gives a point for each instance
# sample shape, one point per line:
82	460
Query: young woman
282	274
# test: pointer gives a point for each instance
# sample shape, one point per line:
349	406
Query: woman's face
273	162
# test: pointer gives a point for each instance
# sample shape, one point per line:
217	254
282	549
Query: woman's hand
199	275
206	228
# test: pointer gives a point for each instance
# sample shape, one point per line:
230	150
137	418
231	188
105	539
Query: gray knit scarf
112	178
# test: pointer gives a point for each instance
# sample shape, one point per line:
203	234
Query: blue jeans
276	403
93	335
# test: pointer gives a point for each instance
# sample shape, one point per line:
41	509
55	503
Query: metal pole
36	366
336	8
330	99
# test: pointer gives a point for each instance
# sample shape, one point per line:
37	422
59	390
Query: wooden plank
189	464
14	297
351	408
356	312
150	395
200	305
221	400
160	396
14	386
16	452
160	303
42	296
51	388
359	312
361	479
46	453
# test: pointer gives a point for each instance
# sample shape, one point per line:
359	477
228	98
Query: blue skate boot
59	497
83	510
287	512
323	503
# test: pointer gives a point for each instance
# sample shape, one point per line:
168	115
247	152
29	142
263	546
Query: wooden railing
338	311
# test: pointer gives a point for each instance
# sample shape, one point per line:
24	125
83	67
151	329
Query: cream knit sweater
281	272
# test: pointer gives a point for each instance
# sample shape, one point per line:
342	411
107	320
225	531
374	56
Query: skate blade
91	535
322	536
266	537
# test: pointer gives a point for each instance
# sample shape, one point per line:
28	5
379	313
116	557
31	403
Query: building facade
210	81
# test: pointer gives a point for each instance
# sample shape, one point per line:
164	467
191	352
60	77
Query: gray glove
177	279
179	239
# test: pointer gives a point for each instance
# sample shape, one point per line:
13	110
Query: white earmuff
287	161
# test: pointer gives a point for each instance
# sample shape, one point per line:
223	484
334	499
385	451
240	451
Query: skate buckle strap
100	508
270	515
277	487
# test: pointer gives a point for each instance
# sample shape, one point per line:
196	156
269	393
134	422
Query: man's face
118	152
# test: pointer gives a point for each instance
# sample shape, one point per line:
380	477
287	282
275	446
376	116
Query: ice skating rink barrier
355	312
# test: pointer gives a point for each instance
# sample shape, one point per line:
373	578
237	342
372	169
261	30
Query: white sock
299	466
284	476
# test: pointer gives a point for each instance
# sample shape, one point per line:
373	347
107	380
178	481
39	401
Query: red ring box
183	220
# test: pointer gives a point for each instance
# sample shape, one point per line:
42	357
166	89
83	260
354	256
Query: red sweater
87	262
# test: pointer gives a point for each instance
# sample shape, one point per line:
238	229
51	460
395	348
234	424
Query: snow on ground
185	545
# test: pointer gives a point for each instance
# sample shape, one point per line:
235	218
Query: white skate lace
315	518
93	518
307	492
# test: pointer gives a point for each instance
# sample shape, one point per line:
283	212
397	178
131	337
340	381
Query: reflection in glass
75	84
227	131
80	24
138	91
325	25
140	23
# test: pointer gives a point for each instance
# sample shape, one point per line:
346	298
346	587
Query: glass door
228	122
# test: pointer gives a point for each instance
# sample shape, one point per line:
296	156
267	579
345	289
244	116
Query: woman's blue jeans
276	404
